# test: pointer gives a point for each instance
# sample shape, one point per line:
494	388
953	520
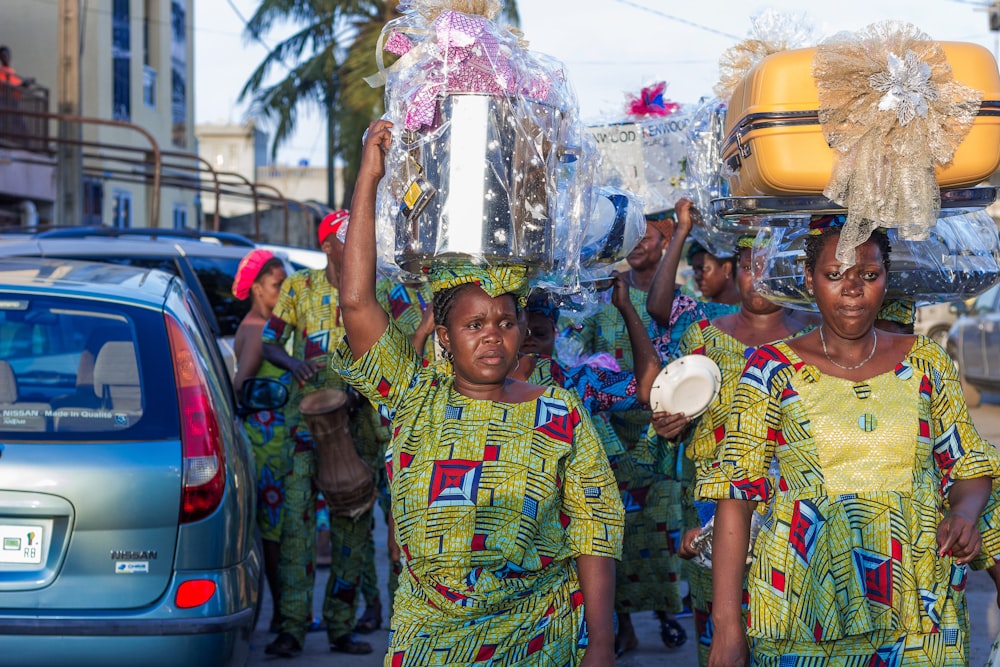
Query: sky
611	48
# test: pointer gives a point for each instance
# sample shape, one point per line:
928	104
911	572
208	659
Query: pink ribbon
465	56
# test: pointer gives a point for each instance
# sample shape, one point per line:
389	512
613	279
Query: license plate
20	544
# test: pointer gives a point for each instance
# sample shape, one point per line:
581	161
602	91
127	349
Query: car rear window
82	369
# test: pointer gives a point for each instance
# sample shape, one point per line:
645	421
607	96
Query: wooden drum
346	481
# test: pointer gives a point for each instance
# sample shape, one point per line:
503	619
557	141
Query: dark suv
206	263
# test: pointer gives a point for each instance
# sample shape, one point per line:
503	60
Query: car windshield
74	367
986	302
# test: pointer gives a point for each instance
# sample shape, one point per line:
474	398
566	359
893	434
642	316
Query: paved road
983	611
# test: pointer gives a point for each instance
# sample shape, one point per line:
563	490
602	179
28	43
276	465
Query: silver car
974	344
127	534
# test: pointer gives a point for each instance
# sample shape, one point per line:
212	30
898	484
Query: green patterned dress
493	502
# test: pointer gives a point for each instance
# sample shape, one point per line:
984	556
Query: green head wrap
495	280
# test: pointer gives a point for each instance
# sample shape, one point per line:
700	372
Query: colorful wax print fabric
684	311
405	303
493	502
699	450
308	312
272	457
646	578
848	555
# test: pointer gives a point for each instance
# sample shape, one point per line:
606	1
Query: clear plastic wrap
646	151
615	227
483	166
771	31
704	178
612	230
959	259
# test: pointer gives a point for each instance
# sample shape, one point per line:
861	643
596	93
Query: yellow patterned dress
845	570
648	577
493	502
730	355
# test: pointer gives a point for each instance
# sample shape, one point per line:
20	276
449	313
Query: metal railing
21	127
146	165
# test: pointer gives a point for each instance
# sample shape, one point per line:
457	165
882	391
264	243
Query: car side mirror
261	393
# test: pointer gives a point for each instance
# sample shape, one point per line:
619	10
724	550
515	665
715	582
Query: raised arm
645	361
661	292
364	319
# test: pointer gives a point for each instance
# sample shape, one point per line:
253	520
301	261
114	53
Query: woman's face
750	299
268	288
648	251
482	335
540	336
711	275
849	301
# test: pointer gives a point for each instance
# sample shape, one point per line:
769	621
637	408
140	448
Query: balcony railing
25	131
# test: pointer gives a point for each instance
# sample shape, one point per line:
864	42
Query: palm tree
330	56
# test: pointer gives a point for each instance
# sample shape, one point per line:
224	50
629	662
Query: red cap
248	270
334	223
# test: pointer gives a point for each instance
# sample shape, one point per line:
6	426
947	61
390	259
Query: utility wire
678	19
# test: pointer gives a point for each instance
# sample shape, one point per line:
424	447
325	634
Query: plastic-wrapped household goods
960	258
878	121
775	143
645	151
488	161
705	175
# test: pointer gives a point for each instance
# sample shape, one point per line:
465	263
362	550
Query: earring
810	290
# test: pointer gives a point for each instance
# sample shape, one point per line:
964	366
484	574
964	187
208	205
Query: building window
149	86
93	201
178	72
180	216
121	52
121	209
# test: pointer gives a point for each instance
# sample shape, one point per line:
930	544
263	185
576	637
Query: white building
137	64
240	153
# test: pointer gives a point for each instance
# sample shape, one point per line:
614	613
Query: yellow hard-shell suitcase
774	144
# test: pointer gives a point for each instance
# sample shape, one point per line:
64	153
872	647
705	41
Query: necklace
871	354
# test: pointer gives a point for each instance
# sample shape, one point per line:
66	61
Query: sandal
285	645
371	620
347	644
672	633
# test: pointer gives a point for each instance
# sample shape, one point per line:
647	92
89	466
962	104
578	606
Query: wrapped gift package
959	259
476	183
646	156
775	146
488	162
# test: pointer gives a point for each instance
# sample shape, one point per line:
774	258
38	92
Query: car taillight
194	593
204	480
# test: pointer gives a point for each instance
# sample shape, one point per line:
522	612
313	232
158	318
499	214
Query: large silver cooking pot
478	186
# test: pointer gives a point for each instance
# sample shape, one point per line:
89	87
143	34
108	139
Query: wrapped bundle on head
960	258
770	32
646	151
480	168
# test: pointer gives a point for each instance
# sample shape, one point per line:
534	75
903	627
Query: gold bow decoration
890	108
